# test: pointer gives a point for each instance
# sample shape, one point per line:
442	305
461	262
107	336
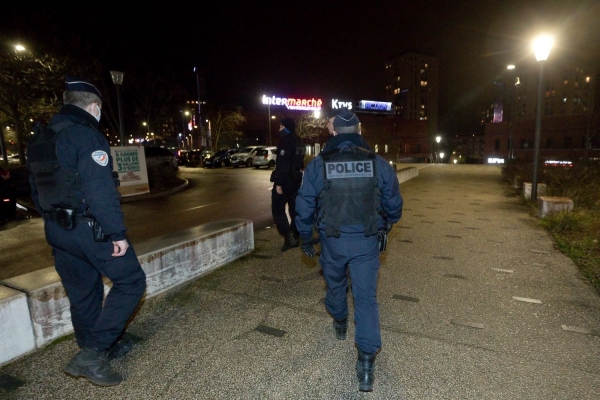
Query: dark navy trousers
81	263
360	256
278	202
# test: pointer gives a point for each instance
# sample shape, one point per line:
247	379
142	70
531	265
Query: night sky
332	49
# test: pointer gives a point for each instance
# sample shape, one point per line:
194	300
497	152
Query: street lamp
269	111
512	112
117	78
541	47
438	139
205	140
183	120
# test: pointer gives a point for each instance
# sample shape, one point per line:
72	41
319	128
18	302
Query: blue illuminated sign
375	105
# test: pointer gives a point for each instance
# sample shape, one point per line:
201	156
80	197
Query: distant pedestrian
287	178
74	189
352	196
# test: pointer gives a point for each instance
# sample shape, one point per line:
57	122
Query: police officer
73	188
287	179
350	194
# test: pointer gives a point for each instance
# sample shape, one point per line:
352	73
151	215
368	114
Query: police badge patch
281	152
100	157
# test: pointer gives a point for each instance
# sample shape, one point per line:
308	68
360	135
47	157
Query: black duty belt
51	216
66	218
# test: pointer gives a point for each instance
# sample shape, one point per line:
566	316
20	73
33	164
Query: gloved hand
308	247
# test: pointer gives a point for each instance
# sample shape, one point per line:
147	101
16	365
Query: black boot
119	349
94	366
341	327
365	371
290	241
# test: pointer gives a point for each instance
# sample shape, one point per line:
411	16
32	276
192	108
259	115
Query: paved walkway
475	304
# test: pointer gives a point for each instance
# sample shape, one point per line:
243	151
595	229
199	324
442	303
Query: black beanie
289	123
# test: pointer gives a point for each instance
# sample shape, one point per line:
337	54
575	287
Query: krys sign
293	104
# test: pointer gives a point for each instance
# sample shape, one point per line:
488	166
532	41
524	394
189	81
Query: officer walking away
74	189
353	197
287	178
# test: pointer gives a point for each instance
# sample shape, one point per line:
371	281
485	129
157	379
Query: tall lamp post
269	108
117	78
438	139
512	113
541	47
203	138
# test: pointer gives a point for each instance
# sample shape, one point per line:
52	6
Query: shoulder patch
281	152
100	157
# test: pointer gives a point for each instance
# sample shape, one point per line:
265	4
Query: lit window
376	148
565	100
423	83
587	79
386	148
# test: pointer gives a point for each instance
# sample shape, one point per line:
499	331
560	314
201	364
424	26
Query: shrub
575	233
163	177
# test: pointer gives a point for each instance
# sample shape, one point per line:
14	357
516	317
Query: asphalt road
212	194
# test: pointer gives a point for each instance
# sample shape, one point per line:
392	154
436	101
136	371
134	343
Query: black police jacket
290	161
82	149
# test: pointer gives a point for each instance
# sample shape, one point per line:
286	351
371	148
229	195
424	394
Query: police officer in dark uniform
287	178
353	197
74	189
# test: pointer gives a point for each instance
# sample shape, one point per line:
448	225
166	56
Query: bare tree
225	123
310	127
30	87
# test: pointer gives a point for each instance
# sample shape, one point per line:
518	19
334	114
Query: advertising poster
130	163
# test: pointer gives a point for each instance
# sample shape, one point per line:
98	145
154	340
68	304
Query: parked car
8	195
12	159
244	157
182	157
265	157
221	158
160	157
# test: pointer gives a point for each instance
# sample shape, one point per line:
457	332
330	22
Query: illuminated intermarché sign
293	104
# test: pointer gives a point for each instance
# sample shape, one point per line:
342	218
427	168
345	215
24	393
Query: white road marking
525	299
508	271
205	205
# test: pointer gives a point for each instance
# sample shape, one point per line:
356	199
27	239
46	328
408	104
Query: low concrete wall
548	205
16	332
407	173
167	260
541	189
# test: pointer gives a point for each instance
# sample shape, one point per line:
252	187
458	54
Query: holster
65	218
273	175
382	236
99	235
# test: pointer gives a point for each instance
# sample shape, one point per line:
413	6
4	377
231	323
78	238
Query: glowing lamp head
541	47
